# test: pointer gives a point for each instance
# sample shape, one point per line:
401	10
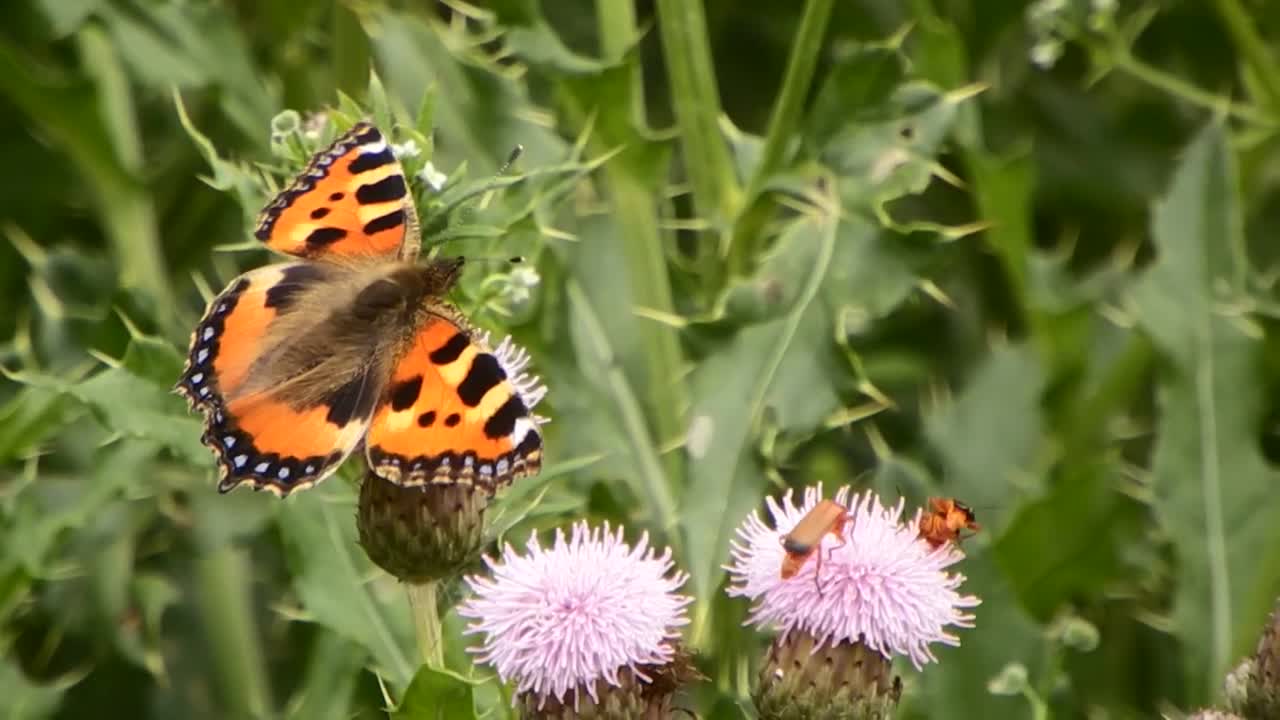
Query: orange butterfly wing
269	444
352	200
456	412
258	439
231	334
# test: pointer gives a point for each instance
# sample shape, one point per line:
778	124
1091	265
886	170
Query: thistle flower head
590	608
879	583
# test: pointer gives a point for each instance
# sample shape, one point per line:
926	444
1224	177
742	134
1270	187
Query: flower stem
426	623
127	211
1187	92
696	99
805	50
630	184
226	612
1039	708
1253	49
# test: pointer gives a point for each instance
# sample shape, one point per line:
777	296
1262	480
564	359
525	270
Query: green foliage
1017	254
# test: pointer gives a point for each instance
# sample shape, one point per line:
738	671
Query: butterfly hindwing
352	200
454	411
261	435
266	442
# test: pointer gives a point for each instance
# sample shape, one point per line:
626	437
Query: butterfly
296	365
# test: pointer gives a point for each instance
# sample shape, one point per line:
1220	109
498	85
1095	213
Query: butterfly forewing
352	200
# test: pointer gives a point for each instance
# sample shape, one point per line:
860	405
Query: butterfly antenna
501	260
516	152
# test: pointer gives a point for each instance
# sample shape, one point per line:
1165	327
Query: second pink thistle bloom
884	586
876	591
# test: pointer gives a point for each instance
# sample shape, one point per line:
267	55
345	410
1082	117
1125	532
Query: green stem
805	51
1254	50
127	209
226	614
628	179
616	21
782	125
696	99
655	485
1184	90
426	623
350	51
1039	708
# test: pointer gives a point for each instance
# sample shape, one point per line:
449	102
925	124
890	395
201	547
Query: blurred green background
1021	254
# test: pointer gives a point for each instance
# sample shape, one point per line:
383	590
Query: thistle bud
1253	689
424	533
841	681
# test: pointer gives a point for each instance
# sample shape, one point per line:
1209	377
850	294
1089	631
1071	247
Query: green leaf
597	357
66	16
539	45
30	416
861	82
990	434
132	406
333	666
893	153
44	513
337	584
24	699
238	178
188	46
153	359
728	484
1214	491
956	689
436	694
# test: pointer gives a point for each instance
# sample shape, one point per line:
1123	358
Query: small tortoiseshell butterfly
296	365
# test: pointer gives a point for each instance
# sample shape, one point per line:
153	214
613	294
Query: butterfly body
297	364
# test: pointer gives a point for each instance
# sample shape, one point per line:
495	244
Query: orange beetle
827	516
945	520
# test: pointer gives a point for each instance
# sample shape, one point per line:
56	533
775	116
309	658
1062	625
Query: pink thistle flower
586	609
884	586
